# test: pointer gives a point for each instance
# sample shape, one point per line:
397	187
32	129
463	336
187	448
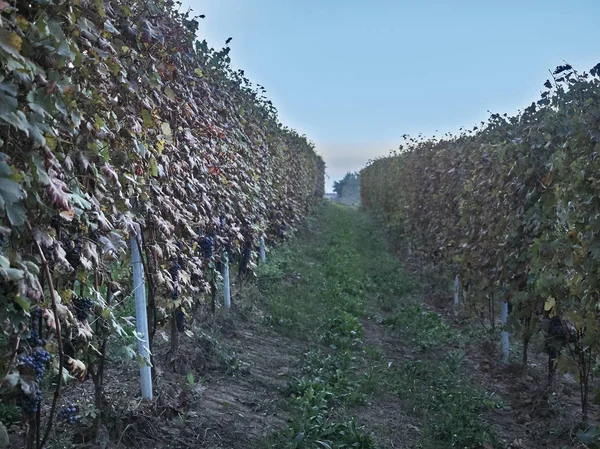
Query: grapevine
510	207
95	139
82	307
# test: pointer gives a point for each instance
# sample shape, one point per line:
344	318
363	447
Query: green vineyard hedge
513	206
112	114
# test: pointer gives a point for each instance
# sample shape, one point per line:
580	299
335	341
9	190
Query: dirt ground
239	406
535	417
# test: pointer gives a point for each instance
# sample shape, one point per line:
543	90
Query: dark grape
207	246
34	339
56	222
245	259
74	252
68	414
82	307
174	271
36	362
30	403
180	320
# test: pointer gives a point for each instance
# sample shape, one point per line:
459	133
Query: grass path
380	370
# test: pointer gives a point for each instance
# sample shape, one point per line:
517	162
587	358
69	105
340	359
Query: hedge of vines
111	115
512	206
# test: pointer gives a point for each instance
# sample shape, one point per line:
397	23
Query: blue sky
355	75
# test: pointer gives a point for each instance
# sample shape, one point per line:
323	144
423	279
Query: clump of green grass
425	329
319	288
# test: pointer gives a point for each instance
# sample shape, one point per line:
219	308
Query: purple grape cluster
34	338
207	245
82	307
36	362
180	320
68	414
74	251
30	403
174	271
245	260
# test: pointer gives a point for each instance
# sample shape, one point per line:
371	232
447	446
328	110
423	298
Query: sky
355	75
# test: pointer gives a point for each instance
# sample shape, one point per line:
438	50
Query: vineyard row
512	207
113	116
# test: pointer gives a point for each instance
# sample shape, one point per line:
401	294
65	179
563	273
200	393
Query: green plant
104	128
510	206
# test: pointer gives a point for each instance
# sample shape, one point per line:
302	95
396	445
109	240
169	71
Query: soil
239	407
536	416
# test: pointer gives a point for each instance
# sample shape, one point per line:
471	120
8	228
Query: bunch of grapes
174	271
207	245
180	320
56	222
35	339
245	260
30	403
82	307
68	414
74	253
36	362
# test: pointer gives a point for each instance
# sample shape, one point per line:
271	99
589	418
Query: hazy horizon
355	76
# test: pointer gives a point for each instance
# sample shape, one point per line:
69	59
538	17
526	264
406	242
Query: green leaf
589	436
5	170
36	134
169	93
4	441
9	88
10	191
100	8
153	167
12	274
4	262
166	130
199	73
18	120
41	170
147	117
108	26
16	214
139	147
7	44
298	439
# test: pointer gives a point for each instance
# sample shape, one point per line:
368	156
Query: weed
318	288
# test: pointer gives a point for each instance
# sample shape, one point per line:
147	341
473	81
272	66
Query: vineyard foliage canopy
512	206
112	114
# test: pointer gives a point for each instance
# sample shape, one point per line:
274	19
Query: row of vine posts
511	210
113	117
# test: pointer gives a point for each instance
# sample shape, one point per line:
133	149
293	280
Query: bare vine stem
58	339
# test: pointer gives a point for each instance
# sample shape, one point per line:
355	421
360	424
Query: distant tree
348	188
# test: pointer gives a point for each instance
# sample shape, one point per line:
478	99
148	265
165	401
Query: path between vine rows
243	363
